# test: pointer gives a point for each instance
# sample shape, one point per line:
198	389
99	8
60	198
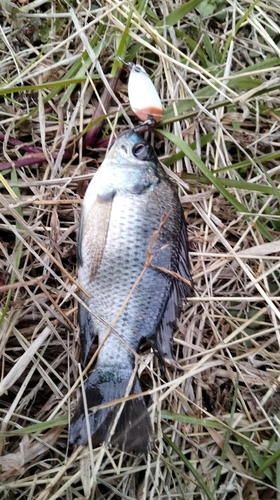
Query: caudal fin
133	430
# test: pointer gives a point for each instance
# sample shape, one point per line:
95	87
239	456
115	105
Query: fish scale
128	200
117	277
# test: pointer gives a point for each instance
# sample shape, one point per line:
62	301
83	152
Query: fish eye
143	151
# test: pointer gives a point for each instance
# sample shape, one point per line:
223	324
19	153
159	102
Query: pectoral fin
94	229
92	238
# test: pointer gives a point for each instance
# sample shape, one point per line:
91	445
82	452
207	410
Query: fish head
131	168
131	148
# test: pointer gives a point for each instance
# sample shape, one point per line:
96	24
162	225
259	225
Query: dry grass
216	412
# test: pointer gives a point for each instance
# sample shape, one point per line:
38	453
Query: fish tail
133	430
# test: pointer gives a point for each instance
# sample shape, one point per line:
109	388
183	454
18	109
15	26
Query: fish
132	249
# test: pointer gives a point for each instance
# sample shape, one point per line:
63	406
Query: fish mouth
143	151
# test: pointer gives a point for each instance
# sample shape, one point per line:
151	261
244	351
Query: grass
216	413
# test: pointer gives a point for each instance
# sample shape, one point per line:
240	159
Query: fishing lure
143	97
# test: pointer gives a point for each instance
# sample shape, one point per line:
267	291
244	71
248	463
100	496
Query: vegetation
216	66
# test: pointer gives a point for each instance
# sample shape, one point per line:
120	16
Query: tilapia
132	232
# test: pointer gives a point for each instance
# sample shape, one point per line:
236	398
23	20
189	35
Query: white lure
143	97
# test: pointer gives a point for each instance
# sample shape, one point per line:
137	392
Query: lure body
143	97
129	198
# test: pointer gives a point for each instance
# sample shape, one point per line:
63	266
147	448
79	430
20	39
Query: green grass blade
187	150
247	163
70	75
178	156
122	45
197	476
36	428
179	13
238	184
238	25
227	435
271	461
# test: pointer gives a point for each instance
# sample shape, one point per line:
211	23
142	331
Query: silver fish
127	201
